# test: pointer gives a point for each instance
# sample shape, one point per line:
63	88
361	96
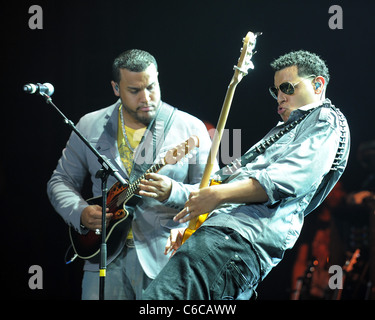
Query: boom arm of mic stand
103	160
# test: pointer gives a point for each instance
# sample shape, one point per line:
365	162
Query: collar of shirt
297	113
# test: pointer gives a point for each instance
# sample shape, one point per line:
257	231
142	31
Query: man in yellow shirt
131	133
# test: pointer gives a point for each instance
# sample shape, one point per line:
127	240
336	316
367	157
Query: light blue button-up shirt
296	172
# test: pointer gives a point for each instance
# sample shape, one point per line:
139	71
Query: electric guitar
240	70
121	201
347	268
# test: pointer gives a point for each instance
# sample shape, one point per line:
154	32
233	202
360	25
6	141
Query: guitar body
201	218
87	246
121	201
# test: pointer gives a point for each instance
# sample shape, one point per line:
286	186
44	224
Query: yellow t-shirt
126	154
134	137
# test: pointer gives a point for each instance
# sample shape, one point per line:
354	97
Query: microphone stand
103	174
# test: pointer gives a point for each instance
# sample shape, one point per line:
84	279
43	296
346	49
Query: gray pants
125	279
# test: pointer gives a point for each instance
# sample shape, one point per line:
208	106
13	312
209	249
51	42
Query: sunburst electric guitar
120	201
240	70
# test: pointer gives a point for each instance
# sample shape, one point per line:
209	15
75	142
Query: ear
319	82
116	89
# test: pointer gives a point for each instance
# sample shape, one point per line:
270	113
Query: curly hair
133	60
307	63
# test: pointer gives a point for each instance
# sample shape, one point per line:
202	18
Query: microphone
45	88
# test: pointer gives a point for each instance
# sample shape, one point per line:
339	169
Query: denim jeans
213	264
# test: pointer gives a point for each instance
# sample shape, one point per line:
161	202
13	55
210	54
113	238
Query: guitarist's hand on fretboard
155	186
200	201
91	217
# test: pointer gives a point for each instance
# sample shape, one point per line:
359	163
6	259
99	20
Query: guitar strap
254	152
324	188
154	136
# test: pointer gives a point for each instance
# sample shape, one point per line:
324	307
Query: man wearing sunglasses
257	213
294	89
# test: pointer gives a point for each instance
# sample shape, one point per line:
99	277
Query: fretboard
129	192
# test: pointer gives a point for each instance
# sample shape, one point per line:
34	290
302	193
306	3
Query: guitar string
129	192
131	188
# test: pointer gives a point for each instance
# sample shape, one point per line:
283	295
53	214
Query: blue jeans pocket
235	281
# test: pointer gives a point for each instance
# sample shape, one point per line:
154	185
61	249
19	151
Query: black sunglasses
286	87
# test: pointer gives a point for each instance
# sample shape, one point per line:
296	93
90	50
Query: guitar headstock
244	62
180	151
349	266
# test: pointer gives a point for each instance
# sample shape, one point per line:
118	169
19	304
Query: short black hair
133	60
307	63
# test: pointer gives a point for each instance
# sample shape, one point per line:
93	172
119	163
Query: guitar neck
218	134
134	186
172	157
240	70
216	140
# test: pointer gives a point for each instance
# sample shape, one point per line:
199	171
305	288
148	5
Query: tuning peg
250	65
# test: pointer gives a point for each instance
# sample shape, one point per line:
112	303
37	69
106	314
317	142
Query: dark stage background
196	44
